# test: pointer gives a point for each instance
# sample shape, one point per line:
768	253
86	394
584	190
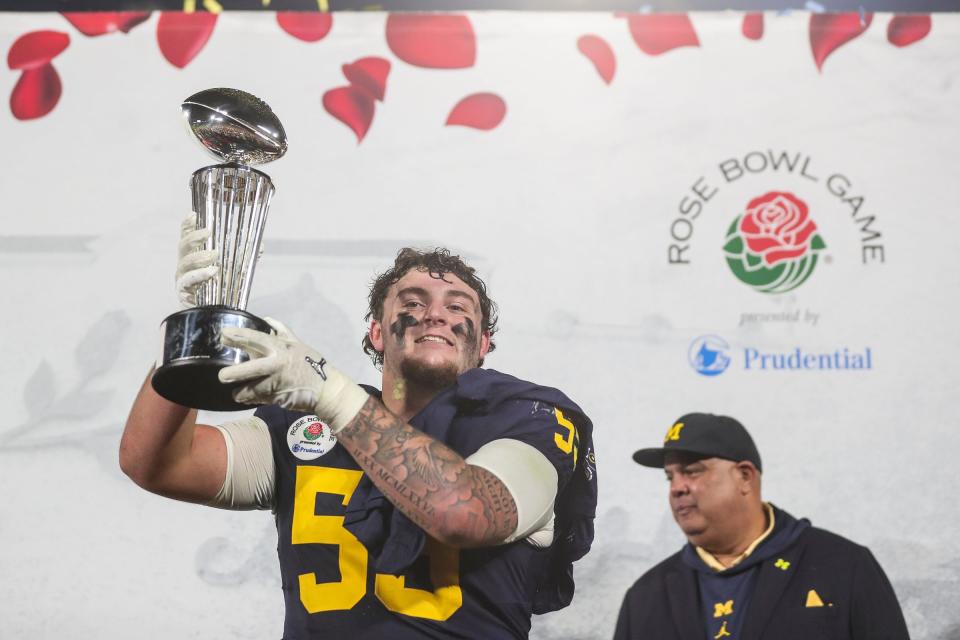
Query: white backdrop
567	207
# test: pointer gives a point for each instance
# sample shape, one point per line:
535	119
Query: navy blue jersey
334	585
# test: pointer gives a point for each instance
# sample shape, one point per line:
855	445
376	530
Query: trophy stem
232	188
232	200
264	195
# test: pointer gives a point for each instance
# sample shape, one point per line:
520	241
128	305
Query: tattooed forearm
454	502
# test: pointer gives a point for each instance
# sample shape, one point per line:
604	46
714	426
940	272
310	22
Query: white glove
283	370
195	266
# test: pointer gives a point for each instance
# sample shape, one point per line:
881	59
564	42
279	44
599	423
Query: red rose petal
752	26
657	33
98	23
787	226
905	30
830	31
759	244
36	93
36	49
600	54
352	106
779	255
309	26
805	232
444	41
369	74
482	111
748	224
182	36
770	196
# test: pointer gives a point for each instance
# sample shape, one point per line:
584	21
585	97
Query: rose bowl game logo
309	438
773	246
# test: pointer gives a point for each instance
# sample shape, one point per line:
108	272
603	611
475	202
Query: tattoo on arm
428	481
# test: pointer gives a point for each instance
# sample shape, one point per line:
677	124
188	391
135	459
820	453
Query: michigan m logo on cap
673	433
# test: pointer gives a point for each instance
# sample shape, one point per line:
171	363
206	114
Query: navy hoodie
725	595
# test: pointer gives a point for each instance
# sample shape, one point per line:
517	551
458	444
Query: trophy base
193	356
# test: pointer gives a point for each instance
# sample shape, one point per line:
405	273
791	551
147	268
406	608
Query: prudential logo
708	355
711	355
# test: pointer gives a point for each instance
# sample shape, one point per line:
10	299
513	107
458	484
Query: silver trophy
232	199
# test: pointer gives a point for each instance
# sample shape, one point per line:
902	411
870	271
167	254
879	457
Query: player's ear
376	335
484	344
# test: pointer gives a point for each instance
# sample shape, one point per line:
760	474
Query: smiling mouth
437	339
684	510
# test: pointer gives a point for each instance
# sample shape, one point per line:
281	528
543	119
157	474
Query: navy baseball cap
705	434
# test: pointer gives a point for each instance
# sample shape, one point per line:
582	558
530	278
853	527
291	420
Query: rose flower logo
773	246
314	431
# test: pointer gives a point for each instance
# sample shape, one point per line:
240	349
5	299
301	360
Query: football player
449	504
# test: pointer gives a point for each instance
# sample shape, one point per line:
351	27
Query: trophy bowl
232	200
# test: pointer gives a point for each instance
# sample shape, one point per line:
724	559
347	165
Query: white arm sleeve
249	483
531	480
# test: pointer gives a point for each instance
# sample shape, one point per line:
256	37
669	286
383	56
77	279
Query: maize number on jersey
309	528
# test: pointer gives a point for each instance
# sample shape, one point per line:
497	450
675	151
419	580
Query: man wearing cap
750	571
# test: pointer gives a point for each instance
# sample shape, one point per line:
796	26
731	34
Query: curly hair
437	263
